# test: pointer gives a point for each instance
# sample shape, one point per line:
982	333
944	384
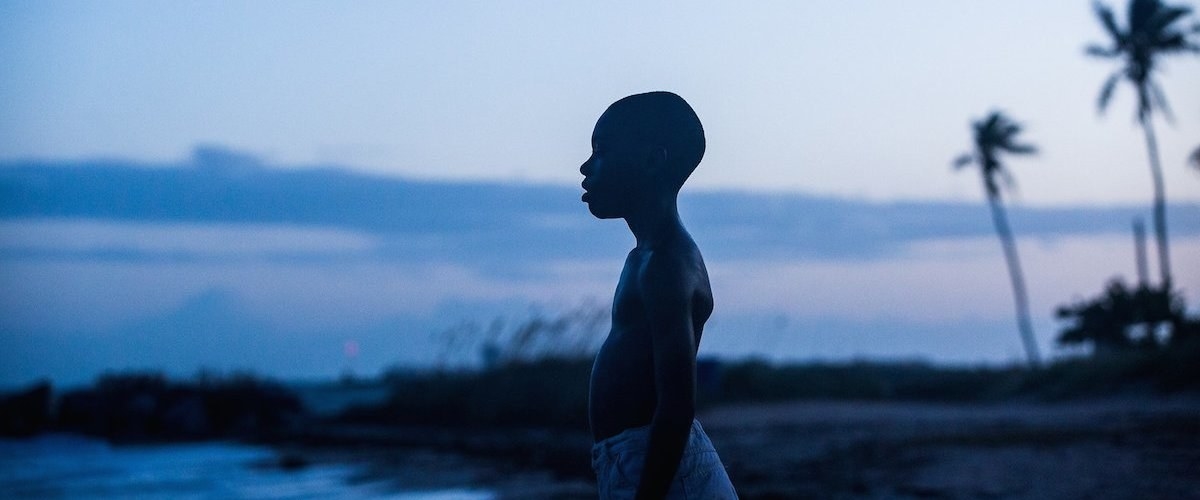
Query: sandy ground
1109	449
1132	448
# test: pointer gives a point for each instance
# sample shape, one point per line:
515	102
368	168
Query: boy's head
644	146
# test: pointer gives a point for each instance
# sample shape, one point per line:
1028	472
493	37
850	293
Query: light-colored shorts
618	463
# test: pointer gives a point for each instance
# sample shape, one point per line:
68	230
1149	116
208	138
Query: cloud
227	263
503	227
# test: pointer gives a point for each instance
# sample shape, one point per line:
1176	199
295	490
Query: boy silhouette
643	386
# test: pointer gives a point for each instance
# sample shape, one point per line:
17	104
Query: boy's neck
657	222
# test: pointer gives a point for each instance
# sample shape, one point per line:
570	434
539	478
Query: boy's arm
667	289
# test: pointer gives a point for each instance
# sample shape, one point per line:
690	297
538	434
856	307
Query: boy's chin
600	213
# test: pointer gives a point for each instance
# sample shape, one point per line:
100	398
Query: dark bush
752	381
146	406
545	393
26	412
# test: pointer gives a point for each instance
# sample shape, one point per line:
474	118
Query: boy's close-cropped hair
665	121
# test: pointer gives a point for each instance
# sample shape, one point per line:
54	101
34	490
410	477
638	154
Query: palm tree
993	135
1153	30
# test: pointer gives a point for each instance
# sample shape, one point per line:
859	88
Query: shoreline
1116	447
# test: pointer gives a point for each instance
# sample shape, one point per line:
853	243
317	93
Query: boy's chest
629	308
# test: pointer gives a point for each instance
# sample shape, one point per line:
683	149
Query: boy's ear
657	160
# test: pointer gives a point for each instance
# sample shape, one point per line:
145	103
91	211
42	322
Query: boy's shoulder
671	267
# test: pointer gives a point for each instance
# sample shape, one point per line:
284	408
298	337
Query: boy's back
642	398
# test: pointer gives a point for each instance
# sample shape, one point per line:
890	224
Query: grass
1155	371
757	381
552	392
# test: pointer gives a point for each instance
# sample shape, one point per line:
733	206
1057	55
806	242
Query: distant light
351	349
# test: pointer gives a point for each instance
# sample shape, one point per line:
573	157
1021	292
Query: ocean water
65	466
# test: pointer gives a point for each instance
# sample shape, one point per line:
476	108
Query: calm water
61	466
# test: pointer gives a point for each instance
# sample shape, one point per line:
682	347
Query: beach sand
1114	448
1130	448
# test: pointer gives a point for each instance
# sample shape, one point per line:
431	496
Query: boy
643	388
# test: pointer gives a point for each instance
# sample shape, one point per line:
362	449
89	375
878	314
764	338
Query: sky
867	99
277	270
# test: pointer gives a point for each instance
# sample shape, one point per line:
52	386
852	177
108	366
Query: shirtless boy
643	387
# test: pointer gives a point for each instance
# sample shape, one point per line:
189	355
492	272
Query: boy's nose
585	169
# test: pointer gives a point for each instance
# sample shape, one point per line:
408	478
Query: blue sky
864	99
274	269
846	101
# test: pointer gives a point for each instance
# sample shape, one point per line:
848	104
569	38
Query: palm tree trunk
1018	280
1160	206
